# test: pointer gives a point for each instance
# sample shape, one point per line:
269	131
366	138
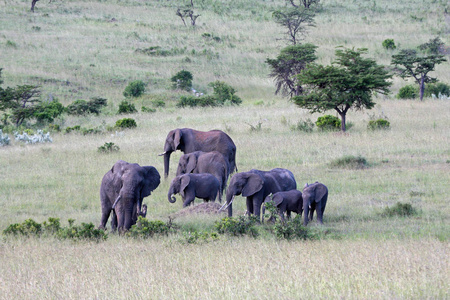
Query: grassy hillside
83	49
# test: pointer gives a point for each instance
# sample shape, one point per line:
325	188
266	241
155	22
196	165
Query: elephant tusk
162	153
115	202
220	209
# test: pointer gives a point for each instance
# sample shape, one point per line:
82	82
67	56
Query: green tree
417	64
348	83
182	80
21	102
285	68
295	20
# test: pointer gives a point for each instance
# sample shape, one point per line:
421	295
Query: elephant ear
185	179
152	180
177	138
191	163
278	199
253	185
321	190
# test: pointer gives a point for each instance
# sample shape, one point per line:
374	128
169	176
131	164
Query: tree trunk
343	122
422	86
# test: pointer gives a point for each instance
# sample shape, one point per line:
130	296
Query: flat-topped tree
348	83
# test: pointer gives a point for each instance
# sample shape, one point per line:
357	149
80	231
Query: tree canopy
348	83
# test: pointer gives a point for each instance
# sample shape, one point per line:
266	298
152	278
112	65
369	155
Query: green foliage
223	93
145	228
295	20
237	226
437	89
389	44
434	46
4	139
148	109
126	123
74	128
20	103
192	101
408	92
48	111
126	107
328	122
195	237
378	124
28	228
182	80
400	209
83	107
158	51
292	229
108	148
305	126
350	162
158	103
134	89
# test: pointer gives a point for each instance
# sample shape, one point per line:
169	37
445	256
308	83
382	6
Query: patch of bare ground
210	208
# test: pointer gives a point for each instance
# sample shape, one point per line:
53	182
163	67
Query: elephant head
244	183
178	186
313	194
187	163
174	142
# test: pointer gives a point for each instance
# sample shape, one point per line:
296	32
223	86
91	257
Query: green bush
74	128
292	229
134	89
408	92
378	124
158	103
223	93
48	111
83	107
126	107
192	101
437	89
237	226
148	109
350	162
28	228
195	237
388	44
108	148
182	80
328	122
306	126
126	123
145	228
400	209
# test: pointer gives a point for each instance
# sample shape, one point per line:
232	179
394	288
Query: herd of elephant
209	159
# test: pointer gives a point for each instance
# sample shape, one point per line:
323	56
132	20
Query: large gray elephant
189	140
314	198
286	202
205	162
256	185
204	186
122	190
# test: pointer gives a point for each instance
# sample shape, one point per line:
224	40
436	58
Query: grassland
80	51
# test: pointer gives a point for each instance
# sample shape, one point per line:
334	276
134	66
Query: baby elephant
287	201
315	197
204	186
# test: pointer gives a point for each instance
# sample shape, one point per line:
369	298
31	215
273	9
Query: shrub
378	124
126	107
108	148
224	93
292	229
126	123
388	44
145	228
192	101
350	162
83	107
158	103
134	89
400	209
195	237
408	92
328	122
27	228
182	80
237	226
437	89
306	126
4	139
148	109
48	111
74	128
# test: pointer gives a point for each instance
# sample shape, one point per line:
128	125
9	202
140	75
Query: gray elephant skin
190	186
256	185
286	202
205	162
314	198
189	140
122	190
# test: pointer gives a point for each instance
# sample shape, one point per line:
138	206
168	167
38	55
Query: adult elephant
122	190
189	140
256	185
205	162
314	198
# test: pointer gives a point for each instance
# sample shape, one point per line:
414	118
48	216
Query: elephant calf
286	201
204	186
315	197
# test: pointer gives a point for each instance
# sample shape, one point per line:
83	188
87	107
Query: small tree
21	102
187	11
182	80
134	89
411	63
348	83
285	68
304	3
295	20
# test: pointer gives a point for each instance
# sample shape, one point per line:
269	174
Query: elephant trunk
170	196
306	213
166	163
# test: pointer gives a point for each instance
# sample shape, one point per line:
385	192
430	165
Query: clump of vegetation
400	209
305	126
237	226
39	137
48	111
328	122
437	89
350	162
195	237
145	228
224	93
158	51
408	92
134	89
73	128
192	101
83	107
148	109
108	148
378	124
4	139
182	80
126	107
126	123
389	44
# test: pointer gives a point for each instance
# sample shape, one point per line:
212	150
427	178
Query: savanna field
85	49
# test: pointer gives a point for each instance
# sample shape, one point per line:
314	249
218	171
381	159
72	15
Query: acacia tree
415	64
348	83
295	20
305	3
285	68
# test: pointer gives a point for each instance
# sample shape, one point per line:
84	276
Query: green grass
78	53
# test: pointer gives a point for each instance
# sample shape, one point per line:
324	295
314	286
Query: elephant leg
319	211
311	212
113	221
249	206
128	220
257	208
281	213
104	220
288	214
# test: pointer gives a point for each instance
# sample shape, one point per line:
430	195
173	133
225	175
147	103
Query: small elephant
205	162
315	197
204	186
286	201
122	190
